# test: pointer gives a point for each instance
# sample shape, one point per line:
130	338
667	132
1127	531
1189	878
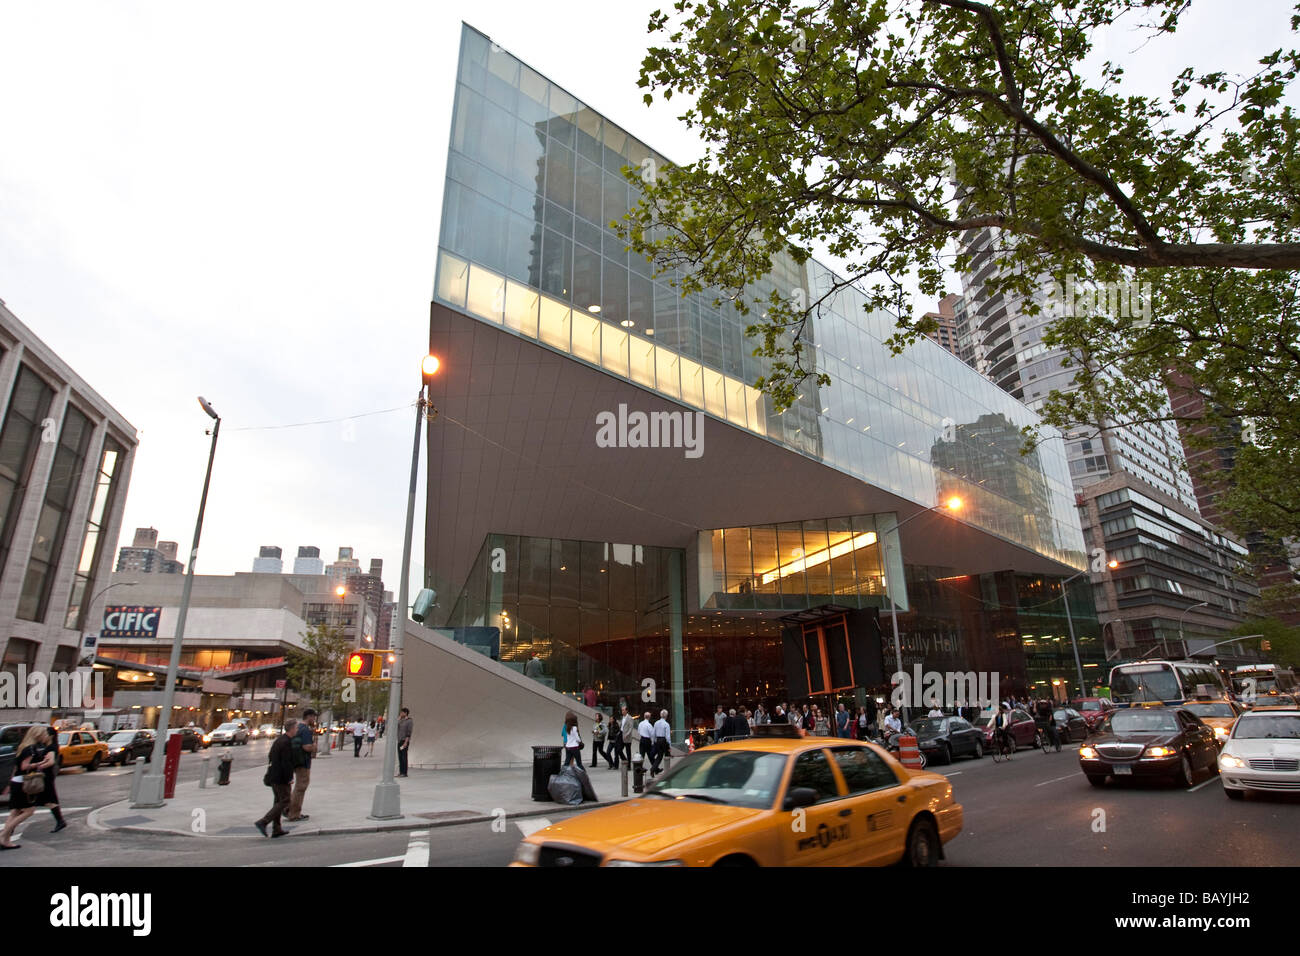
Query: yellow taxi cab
1219	714
81	748
775	799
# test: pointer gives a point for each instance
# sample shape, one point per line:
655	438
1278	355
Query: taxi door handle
903	799
846	813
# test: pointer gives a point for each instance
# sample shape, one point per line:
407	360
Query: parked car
227	734
1150	741
1023	728
82	748
191	737
942	738
1070	725
1093	709
125	745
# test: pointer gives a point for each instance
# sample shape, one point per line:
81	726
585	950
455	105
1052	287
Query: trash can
546	762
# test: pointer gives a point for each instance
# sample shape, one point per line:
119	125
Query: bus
1167	681
1257	680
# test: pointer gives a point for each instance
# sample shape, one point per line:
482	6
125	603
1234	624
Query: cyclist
1047	722
1002	731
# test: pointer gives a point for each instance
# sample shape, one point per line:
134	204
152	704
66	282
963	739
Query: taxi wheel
922	844
94	764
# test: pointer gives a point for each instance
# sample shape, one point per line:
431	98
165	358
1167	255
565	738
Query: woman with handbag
572	741
32	785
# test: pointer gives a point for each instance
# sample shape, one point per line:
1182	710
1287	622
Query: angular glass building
609	491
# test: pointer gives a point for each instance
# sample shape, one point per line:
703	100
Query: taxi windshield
1260	726
740	778
1143	722
1210	710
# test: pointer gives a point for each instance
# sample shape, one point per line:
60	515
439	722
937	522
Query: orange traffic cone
690	744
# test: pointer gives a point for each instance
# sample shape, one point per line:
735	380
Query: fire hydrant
638	773
223	769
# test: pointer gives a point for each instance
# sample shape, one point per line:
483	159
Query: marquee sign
130	620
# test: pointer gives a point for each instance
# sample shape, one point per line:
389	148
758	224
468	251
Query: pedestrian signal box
364	665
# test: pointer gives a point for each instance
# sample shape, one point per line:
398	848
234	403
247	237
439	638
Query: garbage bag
565	787
571	786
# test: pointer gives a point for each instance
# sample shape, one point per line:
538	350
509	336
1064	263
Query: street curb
380	827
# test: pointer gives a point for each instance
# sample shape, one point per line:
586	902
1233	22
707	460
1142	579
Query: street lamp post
1181	617
327	720
152	786
952	504
387	803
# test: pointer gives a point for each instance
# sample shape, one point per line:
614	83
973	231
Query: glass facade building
535	178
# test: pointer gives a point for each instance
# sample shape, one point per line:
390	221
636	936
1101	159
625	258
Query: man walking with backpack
279	777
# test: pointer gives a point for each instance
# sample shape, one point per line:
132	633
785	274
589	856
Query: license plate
1122	770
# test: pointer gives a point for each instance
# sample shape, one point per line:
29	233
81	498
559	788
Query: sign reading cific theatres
130	620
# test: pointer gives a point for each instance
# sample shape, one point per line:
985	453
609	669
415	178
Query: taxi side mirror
800	797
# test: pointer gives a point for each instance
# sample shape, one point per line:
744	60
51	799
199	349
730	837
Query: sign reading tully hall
130	620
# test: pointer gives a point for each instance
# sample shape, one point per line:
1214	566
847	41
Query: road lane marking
379	862
1057	780
1213	779
955	773
417	851
531	825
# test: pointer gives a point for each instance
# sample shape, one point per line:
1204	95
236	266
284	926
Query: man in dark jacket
279	777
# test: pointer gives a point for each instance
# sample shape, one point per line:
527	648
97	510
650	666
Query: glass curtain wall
535	182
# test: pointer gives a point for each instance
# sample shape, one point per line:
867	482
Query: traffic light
423	604
364	665
1265	645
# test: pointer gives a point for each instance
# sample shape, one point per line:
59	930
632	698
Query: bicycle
1003	747
1043	740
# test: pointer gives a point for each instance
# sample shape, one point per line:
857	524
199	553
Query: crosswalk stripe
417	851
531	825
377	862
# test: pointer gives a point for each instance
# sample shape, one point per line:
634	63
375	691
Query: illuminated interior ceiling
843	543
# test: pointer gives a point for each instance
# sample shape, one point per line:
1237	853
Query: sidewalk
340	796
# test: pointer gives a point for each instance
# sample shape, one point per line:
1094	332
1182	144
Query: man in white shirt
358	735
646	735
663	734
892	724
627	724
719	719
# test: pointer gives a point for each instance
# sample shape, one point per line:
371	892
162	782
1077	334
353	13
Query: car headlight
639	863
1228	760
1088	753
528	853
1221	732
1160	752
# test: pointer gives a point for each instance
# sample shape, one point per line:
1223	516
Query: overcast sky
241	201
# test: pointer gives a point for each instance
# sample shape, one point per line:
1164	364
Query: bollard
203	773
136	779
223	770
638	773
623	774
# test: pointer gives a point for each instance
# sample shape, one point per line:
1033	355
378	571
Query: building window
94	540
19	653
56	511
28	406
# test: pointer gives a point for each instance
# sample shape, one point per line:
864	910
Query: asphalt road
1036	810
